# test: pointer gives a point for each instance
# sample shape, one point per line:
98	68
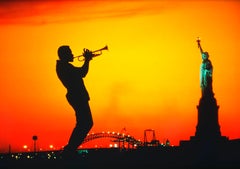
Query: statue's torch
199	46
198	42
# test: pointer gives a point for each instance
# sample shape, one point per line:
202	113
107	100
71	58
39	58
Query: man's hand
87	54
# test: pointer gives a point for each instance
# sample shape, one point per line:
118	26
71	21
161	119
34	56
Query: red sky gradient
149	78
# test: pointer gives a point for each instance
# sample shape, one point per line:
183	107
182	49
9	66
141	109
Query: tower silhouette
35	143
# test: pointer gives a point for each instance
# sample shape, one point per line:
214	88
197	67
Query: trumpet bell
104	48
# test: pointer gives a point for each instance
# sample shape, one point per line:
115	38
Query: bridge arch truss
120	138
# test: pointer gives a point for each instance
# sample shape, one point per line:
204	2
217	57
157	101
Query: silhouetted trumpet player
77	95
94	53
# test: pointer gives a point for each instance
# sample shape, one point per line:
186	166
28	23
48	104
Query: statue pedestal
208	126
207	129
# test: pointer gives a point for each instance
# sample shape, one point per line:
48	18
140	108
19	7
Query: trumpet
94	53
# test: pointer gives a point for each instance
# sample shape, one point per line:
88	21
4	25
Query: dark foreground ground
144	157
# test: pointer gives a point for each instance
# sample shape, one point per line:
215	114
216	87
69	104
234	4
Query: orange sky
149	78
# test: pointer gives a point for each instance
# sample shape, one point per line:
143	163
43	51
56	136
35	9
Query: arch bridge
119	137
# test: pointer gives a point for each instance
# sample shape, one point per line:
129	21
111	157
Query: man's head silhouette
65	53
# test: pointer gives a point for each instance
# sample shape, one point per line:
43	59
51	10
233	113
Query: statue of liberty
208	135
205	73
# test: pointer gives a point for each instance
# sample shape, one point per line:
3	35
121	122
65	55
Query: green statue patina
205	72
